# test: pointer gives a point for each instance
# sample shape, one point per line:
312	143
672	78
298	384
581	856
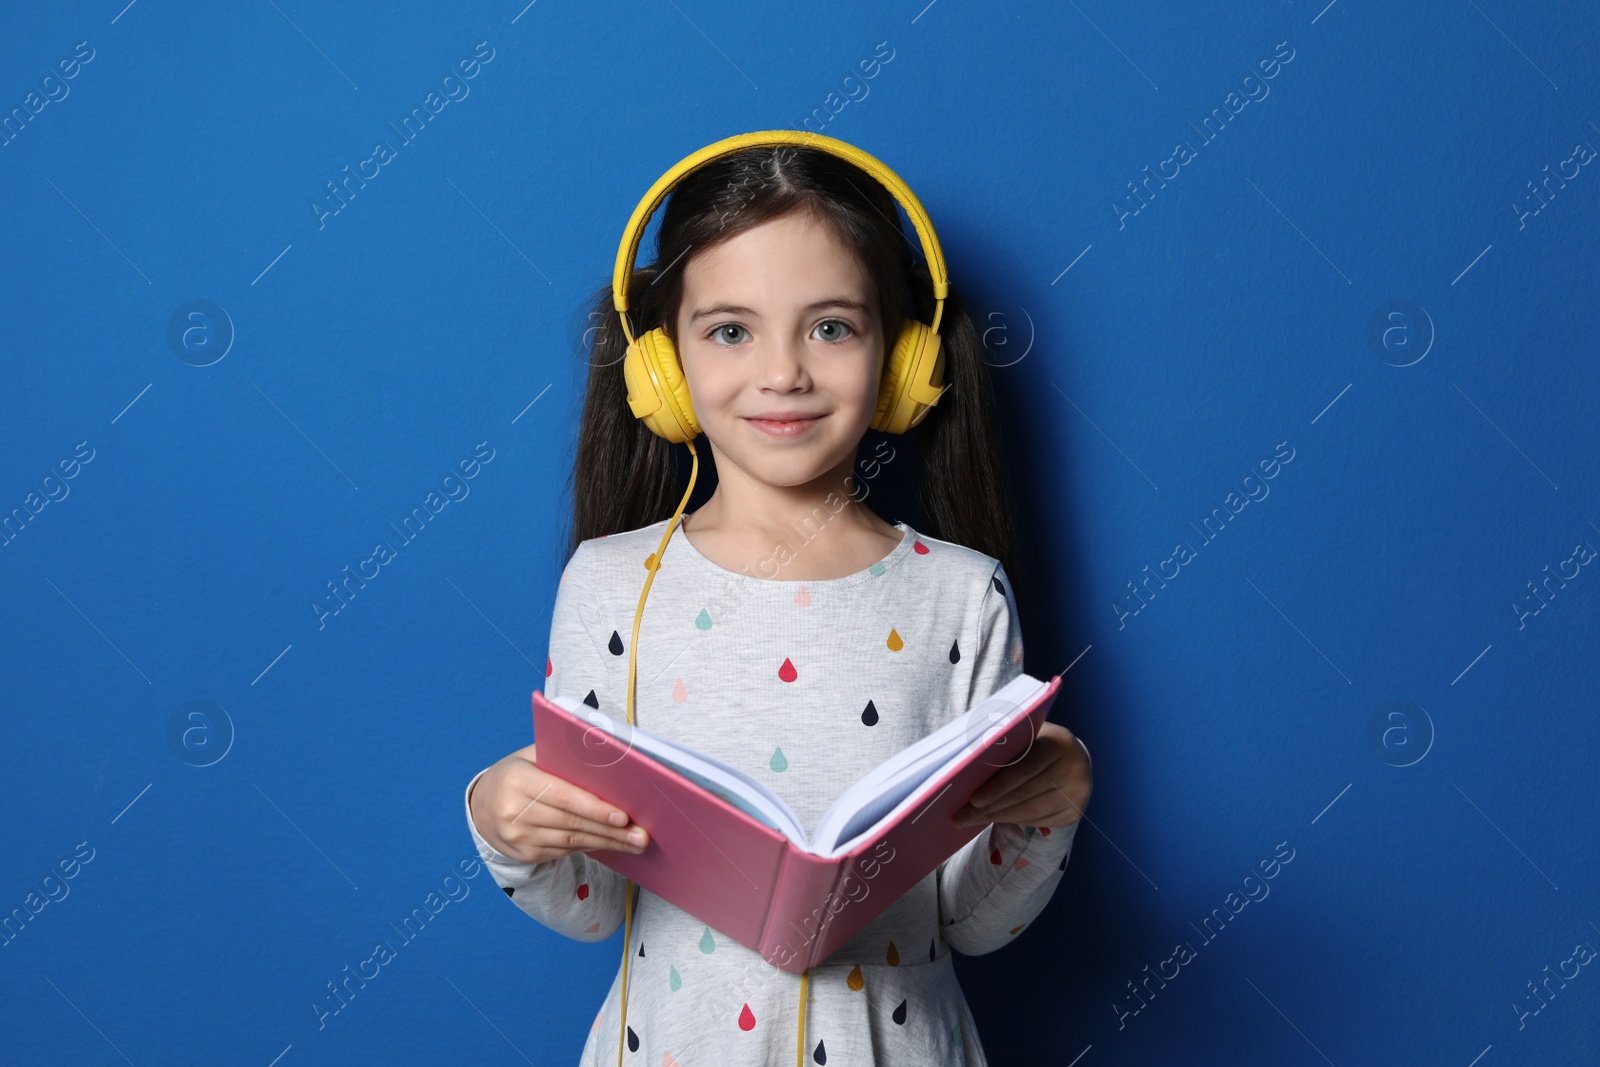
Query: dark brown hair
625	477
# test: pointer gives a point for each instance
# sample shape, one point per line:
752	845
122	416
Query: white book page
731	784
883	791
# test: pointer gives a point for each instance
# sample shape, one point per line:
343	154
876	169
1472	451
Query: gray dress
806	686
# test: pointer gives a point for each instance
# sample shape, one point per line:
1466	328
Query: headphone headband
888	178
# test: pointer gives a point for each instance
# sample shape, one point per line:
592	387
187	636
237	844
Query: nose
782	364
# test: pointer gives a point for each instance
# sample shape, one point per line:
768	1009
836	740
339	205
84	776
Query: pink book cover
748	880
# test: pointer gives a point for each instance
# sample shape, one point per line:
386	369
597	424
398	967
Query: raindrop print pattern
718	669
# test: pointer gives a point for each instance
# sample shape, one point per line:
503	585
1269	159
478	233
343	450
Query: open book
729	851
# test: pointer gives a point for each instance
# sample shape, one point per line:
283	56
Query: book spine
834	900
864	873
802	908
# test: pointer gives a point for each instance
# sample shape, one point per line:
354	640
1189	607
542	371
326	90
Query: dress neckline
686	550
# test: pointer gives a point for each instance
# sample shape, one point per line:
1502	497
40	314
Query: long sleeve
574	895
1001	879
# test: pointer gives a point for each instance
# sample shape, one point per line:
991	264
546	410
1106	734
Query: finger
571	809
1009	757
580	841
1000	808
996	788
1009	786
555	827
575	797
1040	811
1054	806
564	794
1018	770
998	785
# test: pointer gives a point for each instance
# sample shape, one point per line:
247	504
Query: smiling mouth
784	427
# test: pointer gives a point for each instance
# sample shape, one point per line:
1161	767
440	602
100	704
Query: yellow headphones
658	393
914	372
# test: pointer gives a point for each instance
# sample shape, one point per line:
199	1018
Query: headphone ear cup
913	380
658	393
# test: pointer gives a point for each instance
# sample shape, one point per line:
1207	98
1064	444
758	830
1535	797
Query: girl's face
779	321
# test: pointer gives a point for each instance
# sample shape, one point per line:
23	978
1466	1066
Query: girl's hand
533	816
1048	786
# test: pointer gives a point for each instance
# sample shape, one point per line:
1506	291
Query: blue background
1343	670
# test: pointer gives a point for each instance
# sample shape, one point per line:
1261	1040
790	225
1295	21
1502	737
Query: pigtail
623	475
962	484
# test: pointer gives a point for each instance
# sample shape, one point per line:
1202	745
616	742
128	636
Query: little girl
791	631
